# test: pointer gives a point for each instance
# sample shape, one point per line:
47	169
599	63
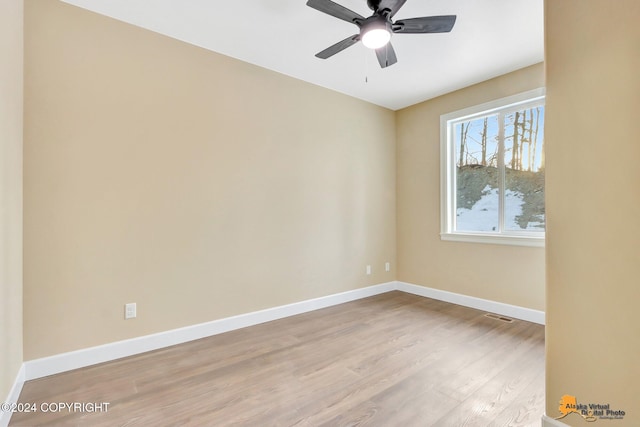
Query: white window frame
448	174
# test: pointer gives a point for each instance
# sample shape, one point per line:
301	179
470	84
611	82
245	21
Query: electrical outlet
130	310
368	269
387	266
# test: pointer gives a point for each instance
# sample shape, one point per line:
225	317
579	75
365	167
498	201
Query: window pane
477	199
524	170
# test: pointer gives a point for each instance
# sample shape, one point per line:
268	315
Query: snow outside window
493	172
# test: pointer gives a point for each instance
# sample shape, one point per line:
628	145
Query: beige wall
508	274
593	205
193	184
11	28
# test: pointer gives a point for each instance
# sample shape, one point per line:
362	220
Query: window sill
494	239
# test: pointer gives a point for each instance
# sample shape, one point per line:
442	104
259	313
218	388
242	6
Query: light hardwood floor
390	360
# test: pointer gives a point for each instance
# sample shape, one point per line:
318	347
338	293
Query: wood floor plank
497	392
477	365
523	412
392	359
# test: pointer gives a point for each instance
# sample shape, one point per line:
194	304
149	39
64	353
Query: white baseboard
43	367
509	310
13	396
551	422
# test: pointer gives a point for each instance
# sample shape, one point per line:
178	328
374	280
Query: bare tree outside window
500	171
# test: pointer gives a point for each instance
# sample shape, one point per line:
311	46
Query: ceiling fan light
376	38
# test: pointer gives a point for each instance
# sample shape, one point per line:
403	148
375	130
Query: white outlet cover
130	310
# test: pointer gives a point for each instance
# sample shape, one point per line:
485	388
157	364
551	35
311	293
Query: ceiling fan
375	31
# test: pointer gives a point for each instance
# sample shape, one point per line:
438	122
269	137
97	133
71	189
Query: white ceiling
490	38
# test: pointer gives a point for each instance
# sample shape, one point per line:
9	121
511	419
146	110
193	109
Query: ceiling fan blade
426	24
338	47
334	9
392	5
386	55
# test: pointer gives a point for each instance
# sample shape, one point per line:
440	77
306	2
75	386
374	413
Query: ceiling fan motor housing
373	23
373	4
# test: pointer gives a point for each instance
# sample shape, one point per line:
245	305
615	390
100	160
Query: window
493	172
